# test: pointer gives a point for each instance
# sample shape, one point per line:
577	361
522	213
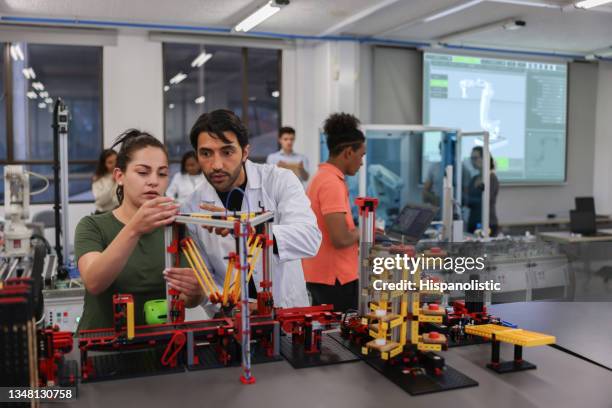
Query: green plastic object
156	311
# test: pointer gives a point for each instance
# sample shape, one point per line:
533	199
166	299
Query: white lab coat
183	185
295	230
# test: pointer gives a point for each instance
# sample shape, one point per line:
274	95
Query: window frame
5	60
244	68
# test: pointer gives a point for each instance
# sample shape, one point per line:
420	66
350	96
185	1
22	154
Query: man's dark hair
217	122
286	129
342	130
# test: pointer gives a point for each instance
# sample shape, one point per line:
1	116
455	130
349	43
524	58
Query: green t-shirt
141	277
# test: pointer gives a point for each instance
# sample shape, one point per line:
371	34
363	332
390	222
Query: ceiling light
16	53
166	88
32	95
529	3
514	25
49	101
275	94
451	10
199	100
178	78
44	94
268	10
28	73
42	105
171	106
201	60
587	4
38	86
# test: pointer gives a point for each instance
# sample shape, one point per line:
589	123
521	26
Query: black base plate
511	366
208	357
419	384
467	341
331	353
129	364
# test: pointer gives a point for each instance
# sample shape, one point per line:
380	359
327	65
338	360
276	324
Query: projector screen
522	104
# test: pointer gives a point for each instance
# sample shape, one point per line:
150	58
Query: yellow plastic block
430	319
395	351
395	322
130	320
519	337
429	347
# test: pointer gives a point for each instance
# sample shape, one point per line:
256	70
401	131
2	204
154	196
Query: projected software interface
521	104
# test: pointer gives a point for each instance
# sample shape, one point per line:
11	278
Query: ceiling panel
547	28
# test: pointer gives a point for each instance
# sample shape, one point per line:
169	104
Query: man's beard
231	178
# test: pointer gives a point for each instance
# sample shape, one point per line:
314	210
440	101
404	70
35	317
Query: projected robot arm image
486	95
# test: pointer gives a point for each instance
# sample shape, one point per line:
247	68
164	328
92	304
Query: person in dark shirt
474	194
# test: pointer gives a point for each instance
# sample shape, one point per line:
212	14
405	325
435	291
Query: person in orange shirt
332	275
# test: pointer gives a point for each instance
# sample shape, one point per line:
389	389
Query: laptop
583	222
413	221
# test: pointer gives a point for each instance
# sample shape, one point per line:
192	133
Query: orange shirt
328	193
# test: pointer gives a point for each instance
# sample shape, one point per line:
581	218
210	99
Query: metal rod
241	242
168	264
64	184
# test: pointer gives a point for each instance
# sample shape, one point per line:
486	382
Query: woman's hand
184	280
154	214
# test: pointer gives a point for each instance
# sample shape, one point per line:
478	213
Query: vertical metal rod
168	264
245	323
64	184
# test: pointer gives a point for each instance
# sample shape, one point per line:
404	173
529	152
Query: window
39	74
264	100
239	79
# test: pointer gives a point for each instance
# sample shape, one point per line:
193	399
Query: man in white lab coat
222	146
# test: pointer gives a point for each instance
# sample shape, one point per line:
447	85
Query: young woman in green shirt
122	251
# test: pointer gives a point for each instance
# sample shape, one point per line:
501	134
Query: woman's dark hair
217	122
101	166
189	155
131	141
286	129
342	130
480	151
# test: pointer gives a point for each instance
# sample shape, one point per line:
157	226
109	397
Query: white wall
319	79
133	86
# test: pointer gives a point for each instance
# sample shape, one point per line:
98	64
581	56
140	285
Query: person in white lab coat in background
185	182
103	187
222	147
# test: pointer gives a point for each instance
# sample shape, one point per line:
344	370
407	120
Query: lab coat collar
253	175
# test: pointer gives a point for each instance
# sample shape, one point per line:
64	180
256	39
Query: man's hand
213	208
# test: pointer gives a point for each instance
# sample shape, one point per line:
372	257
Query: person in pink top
332	275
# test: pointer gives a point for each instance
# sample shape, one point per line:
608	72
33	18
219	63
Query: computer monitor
413	221
585	204
583	222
